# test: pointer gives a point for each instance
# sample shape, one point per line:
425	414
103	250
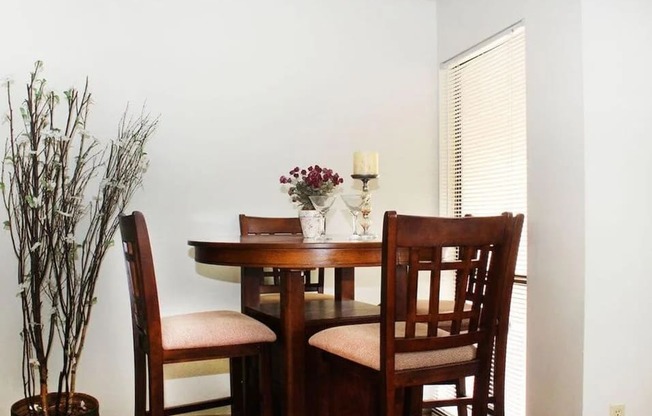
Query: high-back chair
497	383
408	349
496	398
190	337
270	288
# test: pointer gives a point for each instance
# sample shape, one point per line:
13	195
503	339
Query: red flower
313	180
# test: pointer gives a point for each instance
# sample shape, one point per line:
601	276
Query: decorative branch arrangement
62	189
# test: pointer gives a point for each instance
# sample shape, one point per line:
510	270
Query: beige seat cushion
361	344
445	305
308	296
213	328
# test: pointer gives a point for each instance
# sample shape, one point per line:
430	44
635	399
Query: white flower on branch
22	287
111	184
52	134
34	363
117	142
49	185
22	139
34	201
70	238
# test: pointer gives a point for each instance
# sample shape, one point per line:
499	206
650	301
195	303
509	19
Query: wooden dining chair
459	384
390	362
189	337
496	398
497	383
270	287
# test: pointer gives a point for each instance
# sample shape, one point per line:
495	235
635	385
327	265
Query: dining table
293	318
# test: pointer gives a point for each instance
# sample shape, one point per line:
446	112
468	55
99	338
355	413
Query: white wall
246	91
616	37
589	170
463	24
556	206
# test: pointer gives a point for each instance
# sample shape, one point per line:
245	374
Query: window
483	168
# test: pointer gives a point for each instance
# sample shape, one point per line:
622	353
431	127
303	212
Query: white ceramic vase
311	222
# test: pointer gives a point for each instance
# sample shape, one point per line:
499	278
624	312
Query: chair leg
265	381
389	399
412	401
140	383
460	391
480	394
236	367
156	390
320	280
499	385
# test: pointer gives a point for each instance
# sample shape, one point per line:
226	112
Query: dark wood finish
292	317
412	247
149	354
497	398
287	252
274	226
320	314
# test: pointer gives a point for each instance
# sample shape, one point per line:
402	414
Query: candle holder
365	210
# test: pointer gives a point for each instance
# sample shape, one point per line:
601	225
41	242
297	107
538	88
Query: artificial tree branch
63	190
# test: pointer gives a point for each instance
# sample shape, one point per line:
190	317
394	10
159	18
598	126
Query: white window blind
483	165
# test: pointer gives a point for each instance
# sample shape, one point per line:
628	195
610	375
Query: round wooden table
292	316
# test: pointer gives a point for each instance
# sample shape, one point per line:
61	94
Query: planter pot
82	405
311	223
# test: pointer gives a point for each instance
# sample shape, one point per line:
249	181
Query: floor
224	411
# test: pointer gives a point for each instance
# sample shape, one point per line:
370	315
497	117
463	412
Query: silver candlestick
365	210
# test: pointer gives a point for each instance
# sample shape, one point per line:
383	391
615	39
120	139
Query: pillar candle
365	163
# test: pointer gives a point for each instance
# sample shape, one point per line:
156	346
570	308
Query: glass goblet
354	204
322	204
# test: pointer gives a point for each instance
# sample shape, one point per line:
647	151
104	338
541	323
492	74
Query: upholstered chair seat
361	344
212	328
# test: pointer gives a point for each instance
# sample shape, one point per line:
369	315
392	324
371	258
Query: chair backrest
269	225
278	225
143	294
478	252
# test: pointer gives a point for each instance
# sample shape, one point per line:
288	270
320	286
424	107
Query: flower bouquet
312	181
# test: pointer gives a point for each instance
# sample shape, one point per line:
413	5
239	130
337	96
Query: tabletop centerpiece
304	183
